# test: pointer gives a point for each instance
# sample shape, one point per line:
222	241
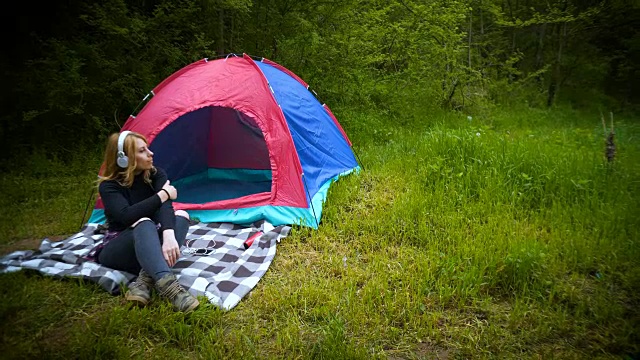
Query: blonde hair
112	171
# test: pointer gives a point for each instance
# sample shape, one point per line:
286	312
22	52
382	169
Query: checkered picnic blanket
224	277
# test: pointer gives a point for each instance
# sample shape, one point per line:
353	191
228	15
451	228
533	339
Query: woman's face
144	156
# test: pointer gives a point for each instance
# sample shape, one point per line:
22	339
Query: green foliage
80	78
84	81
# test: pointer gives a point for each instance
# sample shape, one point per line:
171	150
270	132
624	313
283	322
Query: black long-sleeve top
123	205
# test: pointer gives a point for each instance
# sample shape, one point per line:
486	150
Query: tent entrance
222	184
214	153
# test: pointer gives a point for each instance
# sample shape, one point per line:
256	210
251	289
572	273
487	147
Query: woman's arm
165	215
117	206
170	247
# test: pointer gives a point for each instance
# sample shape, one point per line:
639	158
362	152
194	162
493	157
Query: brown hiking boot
181	299
140	290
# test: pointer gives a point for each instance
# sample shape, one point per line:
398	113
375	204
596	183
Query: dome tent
243	140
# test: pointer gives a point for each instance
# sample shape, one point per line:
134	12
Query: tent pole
359	161
151	93
310	200
93	189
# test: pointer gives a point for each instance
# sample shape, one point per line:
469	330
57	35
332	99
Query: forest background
73	71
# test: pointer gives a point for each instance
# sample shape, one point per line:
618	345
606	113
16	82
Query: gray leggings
141	247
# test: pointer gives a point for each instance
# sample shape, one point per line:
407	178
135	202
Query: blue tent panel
322	149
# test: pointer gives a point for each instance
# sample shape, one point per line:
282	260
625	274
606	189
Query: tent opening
214	153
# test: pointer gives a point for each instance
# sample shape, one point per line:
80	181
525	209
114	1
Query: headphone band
123	135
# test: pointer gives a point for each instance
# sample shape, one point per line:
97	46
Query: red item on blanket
249	241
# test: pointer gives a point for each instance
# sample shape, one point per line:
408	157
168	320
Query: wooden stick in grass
611	146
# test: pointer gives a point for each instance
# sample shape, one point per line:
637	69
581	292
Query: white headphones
122	160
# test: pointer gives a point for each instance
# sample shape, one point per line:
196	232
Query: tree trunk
540	49
481	22
513	37
220	42
481	48
231	33
470	32
554	85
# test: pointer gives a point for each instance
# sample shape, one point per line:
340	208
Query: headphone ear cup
123	160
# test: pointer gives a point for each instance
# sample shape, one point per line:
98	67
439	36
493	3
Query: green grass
505	236
45	197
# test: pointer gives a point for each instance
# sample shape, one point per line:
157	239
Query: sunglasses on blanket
198	251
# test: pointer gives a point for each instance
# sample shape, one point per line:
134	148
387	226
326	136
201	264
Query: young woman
144	233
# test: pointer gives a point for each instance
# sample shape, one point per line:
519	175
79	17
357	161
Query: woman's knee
141	220
182	213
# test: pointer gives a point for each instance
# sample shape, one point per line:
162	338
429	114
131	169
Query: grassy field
504	236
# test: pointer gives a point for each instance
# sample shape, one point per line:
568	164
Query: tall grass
507	235
43	196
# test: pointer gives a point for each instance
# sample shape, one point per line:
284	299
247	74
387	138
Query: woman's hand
170	248
168	189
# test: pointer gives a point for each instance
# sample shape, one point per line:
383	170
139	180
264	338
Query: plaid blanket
224	276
